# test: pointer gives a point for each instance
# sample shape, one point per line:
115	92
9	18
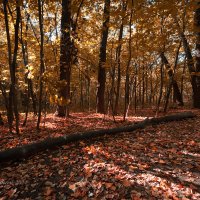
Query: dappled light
146	164
100	100
191	154
53	126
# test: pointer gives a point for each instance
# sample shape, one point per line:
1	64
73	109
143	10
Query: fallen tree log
22	152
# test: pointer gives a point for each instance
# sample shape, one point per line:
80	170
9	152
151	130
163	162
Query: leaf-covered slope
159	162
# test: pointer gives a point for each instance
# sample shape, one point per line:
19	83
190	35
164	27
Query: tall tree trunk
102	60
161	88
182	78
127	86
118	58
13	104
10	106
143	84
173	82
151	87
65	58
40	12
30	82
25	59
135	89
112	88
190	61
196	97
177	93
14	66
81	91
30	92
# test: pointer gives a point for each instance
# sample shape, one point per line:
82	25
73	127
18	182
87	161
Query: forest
100	99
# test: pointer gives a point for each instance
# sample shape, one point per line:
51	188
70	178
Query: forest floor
158	162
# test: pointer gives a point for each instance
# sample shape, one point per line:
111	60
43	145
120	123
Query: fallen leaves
108	185
126	183
56	159
159	162
143	166
11	192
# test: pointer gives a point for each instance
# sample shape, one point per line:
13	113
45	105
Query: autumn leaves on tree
106	55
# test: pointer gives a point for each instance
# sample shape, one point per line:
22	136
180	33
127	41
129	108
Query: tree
65	58
40	12
102	59
127	81
118	56
173	82
196	76
12	60
193	70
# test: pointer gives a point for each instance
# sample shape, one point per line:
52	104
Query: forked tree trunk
13	104
177	93
194	72
173	82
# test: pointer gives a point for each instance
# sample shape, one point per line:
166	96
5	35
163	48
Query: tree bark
190	62
65	58
118	58
25	151
26	62
13	104
102	59
161	89
196	97
173	82
40	12
127	81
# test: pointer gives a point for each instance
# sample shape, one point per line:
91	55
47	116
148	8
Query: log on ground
25	151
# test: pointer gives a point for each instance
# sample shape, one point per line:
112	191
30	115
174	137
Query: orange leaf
143	166
72	187
56	159
131	167
48	191
126	183
113	188
108	185
12	192
162	162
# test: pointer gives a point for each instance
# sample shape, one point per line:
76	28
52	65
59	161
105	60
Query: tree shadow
155	163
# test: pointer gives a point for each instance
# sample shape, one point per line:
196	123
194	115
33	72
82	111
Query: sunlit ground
52	126
159	162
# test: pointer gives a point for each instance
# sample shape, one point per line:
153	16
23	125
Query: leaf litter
158	162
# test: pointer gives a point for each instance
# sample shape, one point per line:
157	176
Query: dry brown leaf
48	191
56	159
126	183
131	167
143	166
161	161
72	187
108	185
11	192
